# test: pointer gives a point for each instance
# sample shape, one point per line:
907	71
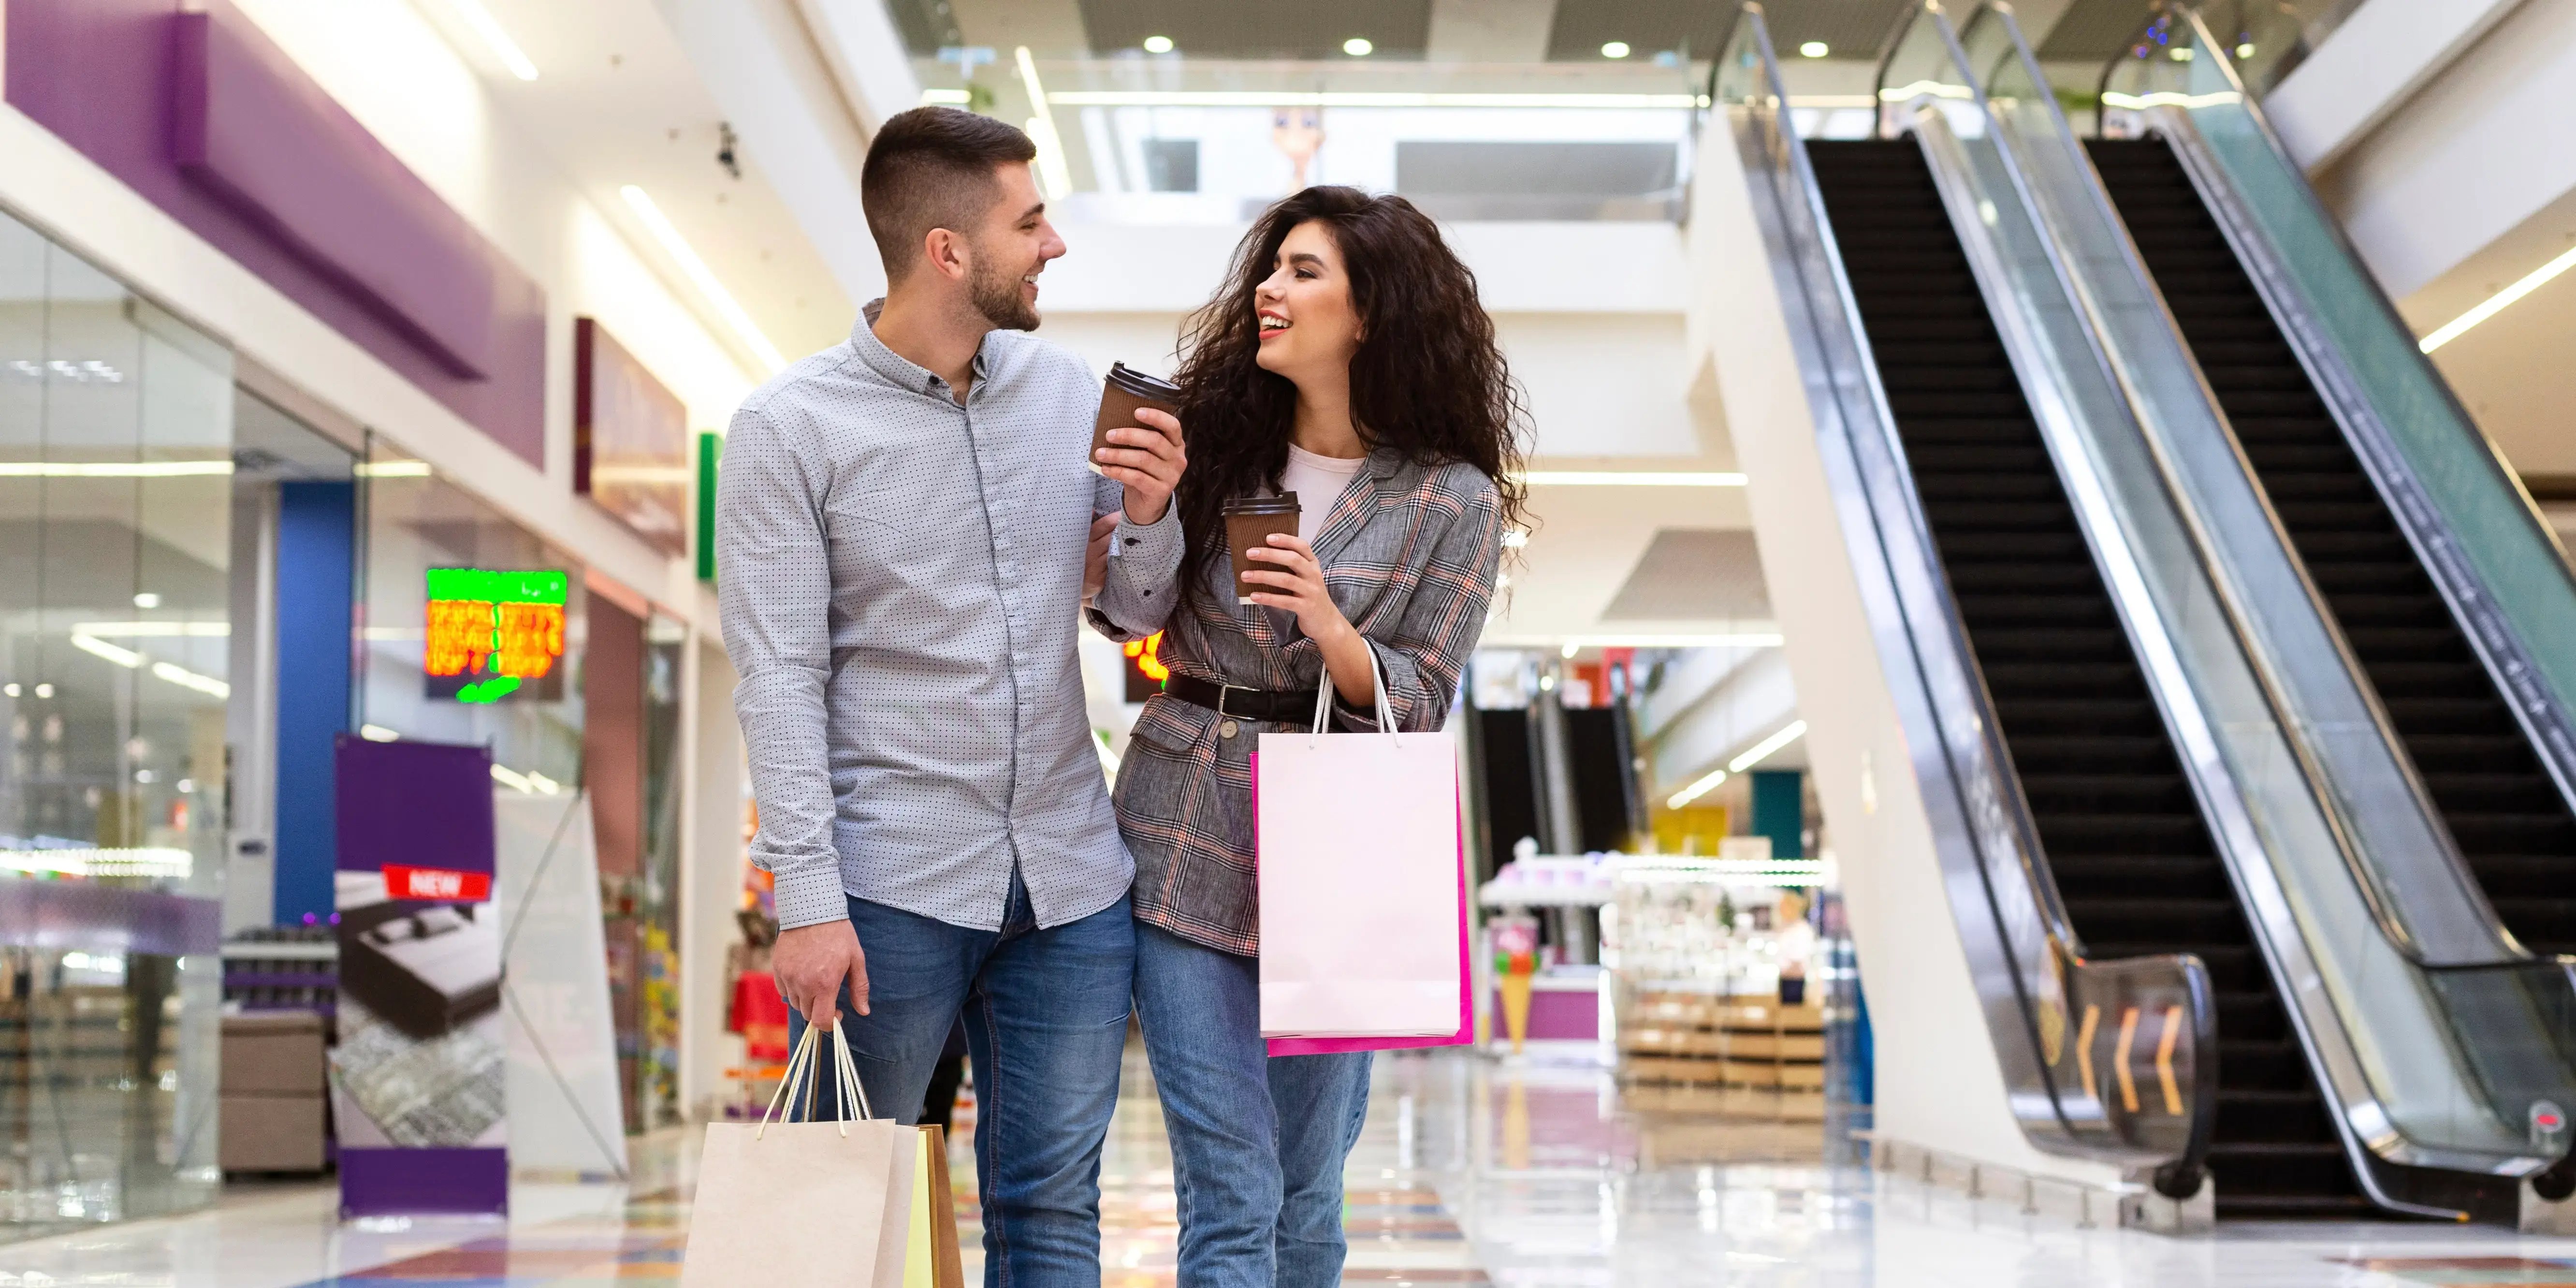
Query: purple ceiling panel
200	113
249	126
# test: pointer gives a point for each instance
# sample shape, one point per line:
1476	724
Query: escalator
2511	824
2131	855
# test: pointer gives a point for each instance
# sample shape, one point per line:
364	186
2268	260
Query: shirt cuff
1150	554
810	896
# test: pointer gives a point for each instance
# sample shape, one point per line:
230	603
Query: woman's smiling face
1305	313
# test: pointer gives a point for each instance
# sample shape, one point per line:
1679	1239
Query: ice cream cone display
1516	1007
1515	969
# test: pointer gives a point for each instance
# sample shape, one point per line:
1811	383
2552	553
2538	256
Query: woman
1348	361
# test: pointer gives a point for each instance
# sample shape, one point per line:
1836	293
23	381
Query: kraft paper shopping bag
931	1258
805	1204
1358	842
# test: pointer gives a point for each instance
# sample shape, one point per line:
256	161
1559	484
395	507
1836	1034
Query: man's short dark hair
932	167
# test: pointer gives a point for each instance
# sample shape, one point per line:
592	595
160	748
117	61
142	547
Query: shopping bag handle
1377	686
851	1095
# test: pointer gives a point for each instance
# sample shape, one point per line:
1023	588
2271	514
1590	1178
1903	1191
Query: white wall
1939	1084
2472	154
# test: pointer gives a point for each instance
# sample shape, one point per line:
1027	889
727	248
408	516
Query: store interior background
218	507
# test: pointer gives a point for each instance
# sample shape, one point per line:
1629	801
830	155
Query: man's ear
947	252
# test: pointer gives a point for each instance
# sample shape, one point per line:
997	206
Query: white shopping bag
1357	838
805	1204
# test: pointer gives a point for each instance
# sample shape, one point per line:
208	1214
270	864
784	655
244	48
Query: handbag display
1363	890
844	1203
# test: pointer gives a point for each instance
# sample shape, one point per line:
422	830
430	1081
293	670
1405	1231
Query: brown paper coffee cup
1249	521
1125	391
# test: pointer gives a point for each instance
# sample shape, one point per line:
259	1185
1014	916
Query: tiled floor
1471	1172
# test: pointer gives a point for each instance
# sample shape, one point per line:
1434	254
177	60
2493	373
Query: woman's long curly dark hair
1428	380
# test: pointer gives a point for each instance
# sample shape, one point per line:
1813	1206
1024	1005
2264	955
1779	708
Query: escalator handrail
2177	1174
2360	1102
2538	709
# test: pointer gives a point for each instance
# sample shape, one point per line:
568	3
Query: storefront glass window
511	681
115	674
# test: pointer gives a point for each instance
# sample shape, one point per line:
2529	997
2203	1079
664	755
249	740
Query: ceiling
617	102
1574	31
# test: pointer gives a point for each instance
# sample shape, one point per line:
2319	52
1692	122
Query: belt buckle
1225	725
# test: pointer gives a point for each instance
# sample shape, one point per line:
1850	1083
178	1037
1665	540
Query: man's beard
996	296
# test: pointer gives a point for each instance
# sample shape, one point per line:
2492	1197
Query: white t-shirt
1318	482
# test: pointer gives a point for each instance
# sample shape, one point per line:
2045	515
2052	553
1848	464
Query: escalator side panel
2132	857
2498	801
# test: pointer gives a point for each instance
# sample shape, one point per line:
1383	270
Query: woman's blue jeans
1257	1143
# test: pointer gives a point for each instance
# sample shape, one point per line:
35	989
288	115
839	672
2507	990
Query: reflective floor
1471	1172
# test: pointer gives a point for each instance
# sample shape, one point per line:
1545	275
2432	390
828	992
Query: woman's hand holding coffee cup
1299	585
1297	579
1148	459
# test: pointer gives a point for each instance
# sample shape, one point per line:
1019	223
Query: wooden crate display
1731	1041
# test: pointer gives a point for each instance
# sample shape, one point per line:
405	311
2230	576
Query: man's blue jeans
1257	1143
1046	1021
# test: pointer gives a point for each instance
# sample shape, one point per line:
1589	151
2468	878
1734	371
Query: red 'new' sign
436	883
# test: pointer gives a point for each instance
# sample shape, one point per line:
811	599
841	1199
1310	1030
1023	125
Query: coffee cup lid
1142	385
1284	503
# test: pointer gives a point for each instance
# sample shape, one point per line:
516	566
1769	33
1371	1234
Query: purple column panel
283	180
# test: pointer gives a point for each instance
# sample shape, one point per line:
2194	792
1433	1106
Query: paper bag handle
1377	686
851	1095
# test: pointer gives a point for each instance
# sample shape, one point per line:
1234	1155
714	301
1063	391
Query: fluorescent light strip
112	469
532	783
702	277
187	679
1762	750
1052	166
2537	278
378	733
1632	478
394	470
2167	98
1333	98
489	28
95	647
154	630
140	862
131	660
1934	88
945	98
1697	789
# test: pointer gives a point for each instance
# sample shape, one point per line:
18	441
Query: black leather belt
1272	705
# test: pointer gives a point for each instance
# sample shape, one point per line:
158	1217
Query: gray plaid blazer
1409	553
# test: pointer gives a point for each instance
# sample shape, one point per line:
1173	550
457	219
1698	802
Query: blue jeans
1257	1143
1046	1021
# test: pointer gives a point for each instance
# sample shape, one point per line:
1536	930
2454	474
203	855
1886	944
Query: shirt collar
903	372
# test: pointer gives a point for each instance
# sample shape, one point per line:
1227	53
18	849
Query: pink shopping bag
1363	890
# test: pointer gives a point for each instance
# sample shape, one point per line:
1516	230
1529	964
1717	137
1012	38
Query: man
902	530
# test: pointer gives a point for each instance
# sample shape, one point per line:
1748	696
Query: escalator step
2117	821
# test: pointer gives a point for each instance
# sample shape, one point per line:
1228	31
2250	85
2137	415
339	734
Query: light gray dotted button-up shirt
901	583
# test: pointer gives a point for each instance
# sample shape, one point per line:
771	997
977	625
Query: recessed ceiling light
147	600
1815	49
1358	47
2245	50
2179	53
1158	44
702	277
2497	302
489	28
1615	49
